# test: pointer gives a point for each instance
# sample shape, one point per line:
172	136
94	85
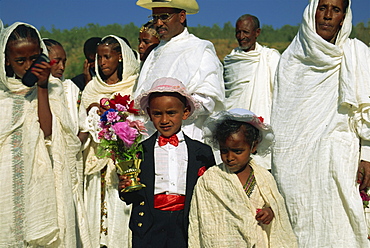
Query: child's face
21	54
108	59
147	43
235	152
58	54
167	113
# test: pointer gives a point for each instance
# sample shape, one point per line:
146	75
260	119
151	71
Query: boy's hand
363	174
42	72
265	215
124	182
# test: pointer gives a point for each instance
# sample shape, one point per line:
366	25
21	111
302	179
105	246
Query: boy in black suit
170	169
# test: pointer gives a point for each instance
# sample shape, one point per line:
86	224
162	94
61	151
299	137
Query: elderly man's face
246	34
171	26
329	18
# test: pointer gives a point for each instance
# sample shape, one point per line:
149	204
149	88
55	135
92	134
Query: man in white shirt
249	72
185	57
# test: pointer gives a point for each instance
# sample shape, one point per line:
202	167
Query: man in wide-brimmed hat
185	57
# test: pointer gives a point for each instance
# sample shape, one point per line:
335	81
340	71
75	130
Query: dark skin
329	19
264	215
166	113
108	62
20	55
363	174
235	154
124	182
147	43
87	66
171	27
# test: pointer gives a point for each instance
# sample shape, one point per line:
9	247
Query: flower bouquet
120	137
365	197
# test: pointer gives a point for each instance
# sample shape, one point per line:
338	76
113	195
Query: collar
180	36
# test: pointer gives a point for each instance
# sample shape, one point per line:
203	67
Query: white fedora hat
190	6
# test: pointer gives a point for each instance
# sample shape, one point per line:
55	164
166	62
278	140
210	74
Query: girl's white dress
222	215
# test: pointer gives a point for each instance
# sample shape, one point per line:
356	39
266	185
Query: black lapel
192	170
148	172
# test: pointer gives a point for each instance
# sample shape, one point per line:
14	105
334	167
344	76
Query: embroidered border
250	184
18	174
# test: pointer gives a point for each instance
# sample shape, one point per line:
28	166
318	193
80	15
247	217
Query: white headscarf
310	54
118	212
52	203
4	85
320	113
97	88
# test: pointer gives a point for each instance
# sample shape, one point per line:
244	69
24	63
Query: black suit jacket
141	220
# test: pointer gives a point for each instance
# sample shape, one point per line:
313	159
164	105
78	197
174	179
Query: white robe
40	199
249	78
320	115
73	93
78	118
194	62
222	215
118	213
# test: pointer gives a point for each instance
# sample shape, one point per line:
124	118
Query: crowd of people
262	150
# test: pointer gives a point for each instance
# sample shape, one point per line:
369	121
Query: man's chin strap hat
190	6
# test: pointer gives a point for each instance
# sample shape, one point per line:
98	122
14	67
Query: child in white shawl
39	199
237	204
116	71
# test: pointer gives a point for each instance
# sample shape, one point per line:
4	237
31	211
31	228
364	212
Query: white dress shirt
171	164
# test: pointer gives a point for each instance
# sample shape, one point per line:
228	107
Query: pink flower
105	134
364	195
126	133
139	125
113	117
121	108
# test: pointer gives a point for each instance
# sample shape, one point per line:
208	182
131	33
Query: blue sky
66	14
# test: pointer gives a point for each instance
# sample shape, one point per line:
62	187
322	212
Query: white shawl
249	78
221	214
40	185
119	234
97	88
320	111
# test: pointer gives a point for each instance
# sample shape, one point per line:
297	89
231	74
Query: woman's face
20	55
147	43
329	18
108	59
57	54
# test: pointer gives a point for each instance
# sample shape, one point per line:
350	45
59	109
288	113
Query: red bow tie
173	140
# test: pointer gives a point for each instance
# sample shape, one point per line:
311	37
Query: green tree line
222	37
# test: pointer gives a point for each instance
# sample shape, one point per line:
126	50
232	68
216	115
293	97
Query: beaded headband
150	31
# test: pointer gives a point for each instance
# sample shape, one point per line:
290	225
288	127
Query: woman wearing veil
116	72
40	200
322	153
